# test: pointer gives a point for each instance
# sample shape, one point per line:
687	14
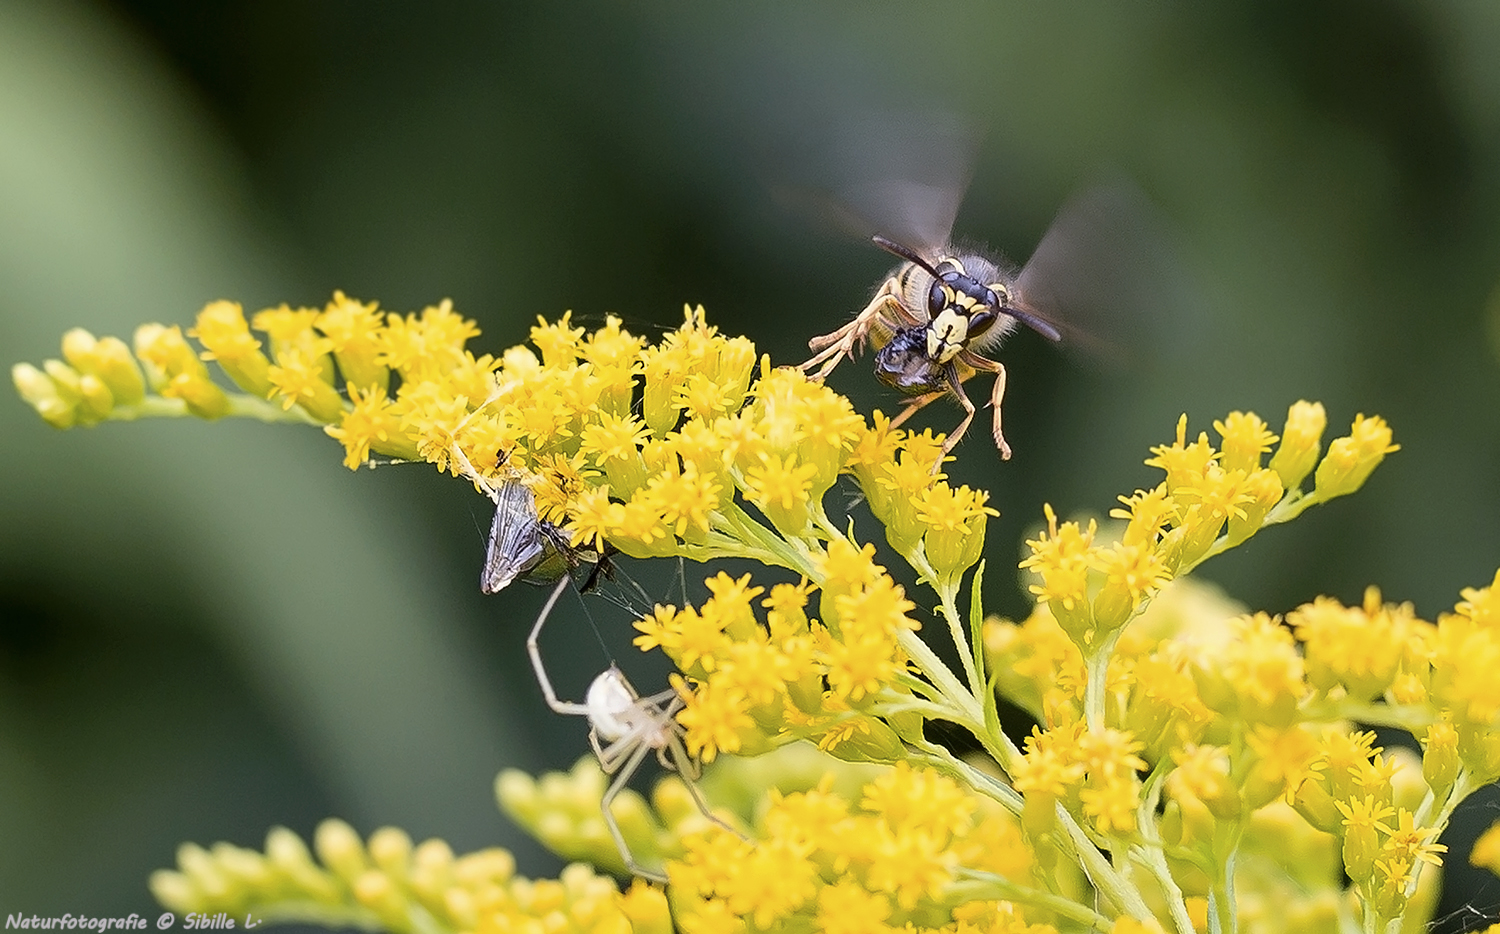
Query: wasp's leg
957	387
986	365
831	349
916	404
607	805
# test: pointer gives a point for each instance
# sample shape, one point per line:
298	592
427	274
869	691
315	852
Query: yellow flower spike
876	446
1256	673
1262	490
102	371
612	443
1358	648
298	378
1281	760
96	401
955	521
1481	606
293	329
716	721
1217	497
353	328
1146	513
1132	572
222	330
378	892
1203	775
642	531
1351	459
645	907
686	500
293	862
1440	761
41	393
901	482
391	851
1301	443
846	907
424	347
175	371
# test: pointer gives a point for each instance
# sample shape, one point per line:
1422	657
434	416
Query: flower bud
41	393
1440	763
221	328
1301	443
1351	459
339	848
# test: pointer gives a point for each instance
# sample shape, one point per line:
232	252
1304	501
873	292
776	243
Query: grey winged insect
522	546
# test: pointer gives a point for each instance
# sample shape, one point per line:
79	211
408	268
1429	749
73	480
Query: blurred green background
209	629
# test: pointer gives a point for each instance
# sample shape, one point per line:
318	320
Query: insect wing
900	175
517	542
1101	272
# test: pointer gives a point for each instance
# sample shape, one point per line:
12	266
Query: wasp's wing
516	542
1101	273
899	175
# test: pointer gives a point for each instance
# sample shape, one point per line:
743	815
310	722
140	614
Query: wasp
930	321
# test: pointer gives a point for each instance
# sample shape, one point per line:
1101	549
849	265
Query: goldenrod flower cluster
387	883
1194	765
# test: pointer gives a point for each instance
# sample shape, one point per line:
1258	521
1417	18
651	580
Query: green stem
1105	878
981	781
986	886
1094	692
944	679
241	405
949	607
1152	855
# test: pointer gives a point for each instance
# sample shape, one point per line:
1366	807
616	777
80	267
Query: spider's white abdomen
609	702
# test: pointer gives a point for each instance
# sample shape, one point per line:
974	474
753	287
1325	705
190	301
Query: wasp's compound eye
937	298
981	322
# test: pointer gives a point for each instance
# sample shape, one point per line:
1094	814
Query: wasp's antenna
905	252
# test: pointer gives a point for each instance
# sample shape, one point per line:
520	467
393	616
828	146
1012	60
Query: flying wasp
935	319
929	321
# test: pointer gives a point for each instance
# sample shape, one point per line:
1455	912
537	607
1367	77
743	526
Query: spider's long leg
580	710
682	762
615	787
986	365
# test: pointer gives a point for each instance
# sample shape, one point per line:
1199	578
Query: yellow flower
1245	438
1062	556
1351	459
1301	443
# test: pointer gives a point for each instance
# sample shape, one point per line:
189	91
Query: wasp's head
960	309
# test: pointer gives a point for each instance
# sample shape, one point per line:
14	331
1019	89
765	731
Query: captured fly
525	547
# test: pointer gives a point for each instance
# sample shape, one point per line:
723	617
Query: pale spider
624	728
